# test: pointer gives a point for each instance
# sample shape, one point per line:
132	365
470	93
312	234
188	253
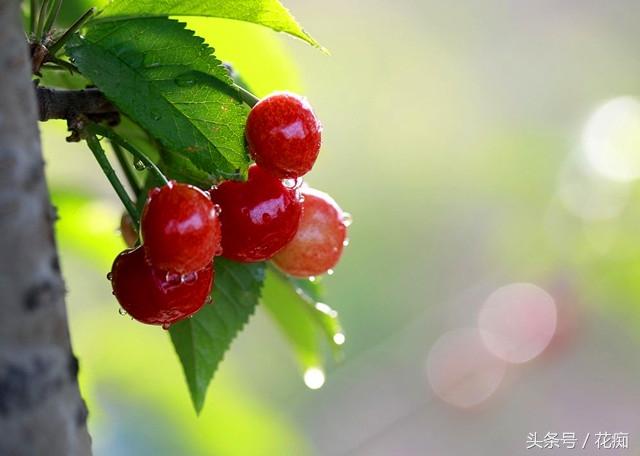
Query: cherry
318	244
156	297
258	216
283	135
180	228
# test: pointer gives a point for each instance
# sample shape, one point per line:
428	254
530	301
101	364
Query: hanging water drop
209	300
312	278
347	219
345	242
330	272
109	276
314	378
122	312
166	326
339	338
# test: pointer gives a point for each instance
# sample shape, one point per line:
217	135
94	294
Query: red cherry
283	135
180	228
258	216
318	244
156	297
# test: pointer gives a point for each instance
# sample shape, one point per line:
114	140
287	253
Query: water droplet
185	80
292	184
345	242
325	309
172	278
109	276
189	278
209	300
347	219
339	338
314	378
139	165
330	272
312	278
166	326
122	312
217	209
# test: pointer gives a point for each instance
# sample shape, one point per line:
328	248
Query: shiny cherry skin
283	135
157	297
180	228
318	244
259	216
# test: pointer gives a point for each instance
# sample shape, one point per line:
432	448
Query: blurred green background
477	144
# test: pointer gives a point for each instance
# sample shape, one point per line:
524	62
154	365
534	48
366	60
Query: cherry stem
55	47
126	168
112	177
117	139
247	96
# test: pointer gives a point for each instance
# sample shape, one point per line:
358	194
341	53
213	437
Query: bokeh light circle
518	321
461	371
611	139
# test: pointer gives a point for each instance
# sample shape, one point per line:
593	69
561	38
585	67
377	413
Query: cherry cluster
270	216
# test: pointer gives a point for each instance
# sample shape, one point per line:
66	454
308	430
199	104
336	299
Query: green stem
126	168
247	96
108	171
32	16
53	15
41	18
64	65
117	139
55	47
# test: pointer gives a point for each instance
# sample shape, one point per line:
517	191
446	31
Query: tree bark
41	411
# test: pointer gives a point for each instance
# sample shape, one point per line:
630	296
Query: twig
66	104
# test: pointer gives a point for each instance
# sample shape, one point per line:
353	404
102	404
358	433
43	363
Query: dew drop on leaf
185	80
139	165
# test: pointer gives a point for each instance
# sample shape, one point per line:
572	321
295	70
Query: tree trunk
41	411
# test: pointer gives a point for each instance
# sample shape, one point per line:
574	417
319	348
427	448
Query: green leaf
202	341
269	13
295	305
169	82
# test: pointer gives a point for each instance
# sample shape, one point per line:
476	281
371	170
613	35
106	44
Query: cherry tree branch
67	104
